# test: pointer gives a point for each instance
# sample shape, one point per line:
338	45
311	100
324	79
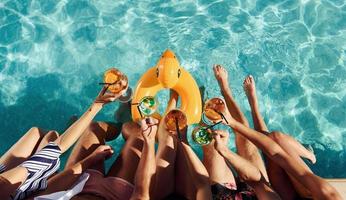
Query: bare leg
25	147
250	91
184	185
171	163
320	189
218	170
95	135
293	148
49	137
245	148
165	157
289	144
277	175
126	164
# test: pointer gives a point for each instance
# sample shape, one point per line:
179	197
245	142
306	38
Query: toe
250	78
215	69
246	80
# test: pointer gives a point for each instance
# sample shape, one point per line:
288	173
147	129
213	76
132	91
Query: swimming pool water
53	54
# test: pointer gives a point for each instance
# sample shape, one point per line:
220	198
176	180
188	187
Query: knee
329	192
102	130
277	136
36	131
130	129
51	136
93	126
97	127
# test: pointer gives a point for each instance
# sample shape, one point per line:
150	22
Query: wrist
88	161
224	89
222	150
230	121
81	166
95	106
148	143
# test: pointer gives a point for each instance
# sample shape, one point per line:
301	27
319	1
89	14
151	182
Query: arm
198	173
71	135
251	175
145	172
147	164
245	170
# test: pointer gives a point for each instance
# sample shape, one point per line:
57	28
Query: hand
227	118
149	129
105	97
101	153
221	140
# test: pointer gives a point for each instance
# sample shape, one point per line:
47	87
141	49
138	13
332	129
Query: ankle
254	106
224	87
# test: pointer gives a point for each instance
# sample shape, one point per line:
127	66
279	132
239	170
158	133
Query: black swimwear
241	192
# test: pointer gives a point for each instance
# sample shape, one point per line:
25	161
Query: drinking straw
139	110
211	126
177	127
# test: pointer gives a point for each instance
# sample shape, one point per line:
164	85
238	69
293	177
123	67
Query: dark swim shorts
231	192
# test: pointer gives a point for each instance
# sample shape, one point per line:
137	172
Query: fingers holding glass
148	106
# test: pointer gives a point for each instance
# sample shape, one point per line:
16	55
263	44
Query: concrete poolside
340	185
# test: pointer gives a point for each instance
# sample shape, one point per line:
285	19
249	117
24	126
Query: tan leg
289	144
165	164
296	151
96	134
51	136
126	164
218	170
319	188
184	185
165	167
245	148
23	148
277	176
169	178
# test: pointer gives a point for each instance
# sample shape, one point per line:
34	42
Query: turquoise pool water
53	54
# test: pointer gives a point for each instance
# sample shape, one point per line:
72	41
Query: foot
173	100
173	96
250	90
221	75
311	156
130	129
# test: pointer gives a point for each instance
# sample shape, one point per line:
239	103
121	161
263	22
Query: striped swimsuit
2	168
40	166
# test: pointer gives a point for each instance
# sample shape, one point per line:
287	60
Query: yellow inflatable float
170	75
